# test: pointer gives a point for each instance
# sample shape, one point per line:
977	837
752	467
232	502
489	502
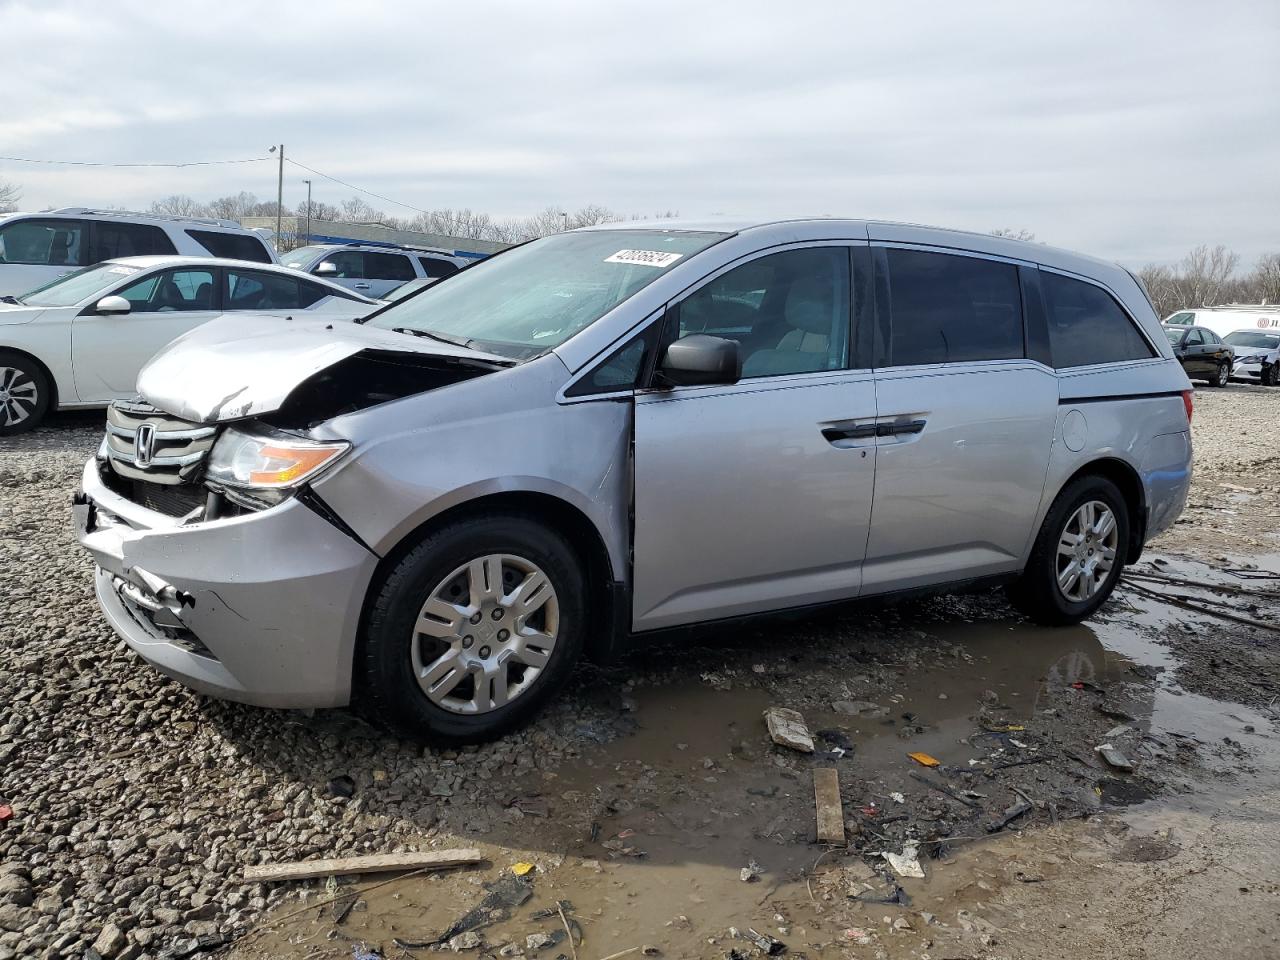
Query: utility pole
307	239
279	196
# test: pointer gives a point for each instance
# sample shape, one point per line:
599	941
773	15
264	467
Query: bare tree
1264	280
357	210
1161	288
9	196
232	207
179	205
1201	277
592	214
1014	233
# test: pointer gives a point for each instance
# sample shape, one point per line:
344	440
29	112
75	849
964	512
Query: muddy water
648	833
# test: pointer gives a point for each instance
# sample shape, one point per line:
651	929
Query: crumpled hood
238	367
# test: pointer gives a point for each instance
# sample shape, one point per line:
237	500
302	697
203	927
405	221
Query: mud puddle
646	836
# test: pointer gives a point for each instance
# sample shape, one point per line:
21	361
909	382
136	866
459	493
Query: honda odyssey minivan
602	435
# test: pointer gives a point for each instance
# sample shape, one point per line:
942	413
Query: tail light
1188	403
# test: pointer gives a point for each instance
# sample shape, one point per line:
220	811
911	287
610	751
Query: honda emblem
144	444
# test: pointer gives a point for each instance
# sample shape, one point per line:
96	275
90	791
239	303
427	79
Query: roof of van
892	231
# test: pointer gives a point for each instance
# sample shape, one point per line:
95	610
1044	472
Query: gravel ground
137	803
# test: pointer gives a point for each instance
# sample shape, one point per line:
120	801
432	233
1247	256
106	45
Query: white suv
38	248
373	268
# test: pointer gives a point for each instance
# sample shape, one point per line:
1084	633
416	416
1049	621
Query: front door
757	495
107	351
967	423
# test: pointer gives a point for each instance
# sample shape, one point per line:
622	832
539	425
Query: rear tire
1039	592
25	393
1221	376
460	676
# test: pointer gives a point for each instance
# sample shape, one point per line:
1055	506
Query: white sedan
80	341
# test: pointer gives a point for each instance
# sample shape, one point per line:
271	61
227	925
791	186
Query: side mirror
699	359
326	269
112	305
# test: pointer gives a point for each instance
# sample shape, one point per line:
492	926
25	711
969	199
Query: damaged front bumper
262	608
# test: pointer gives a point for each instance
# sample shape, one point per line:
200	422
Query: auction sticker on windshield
645	258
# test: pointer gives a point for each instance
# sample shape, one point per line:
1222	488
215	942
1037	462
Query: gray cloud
1130	131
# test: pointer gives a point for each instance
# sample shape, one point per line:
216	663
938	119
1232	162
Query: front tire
1221	376
25	393
472	632
1078	554
1267	376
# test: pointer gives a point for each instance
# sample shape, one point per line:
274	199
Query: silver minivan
607	434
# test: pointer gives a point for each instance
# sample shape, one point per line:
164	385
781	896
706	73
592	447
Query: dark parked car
1202	354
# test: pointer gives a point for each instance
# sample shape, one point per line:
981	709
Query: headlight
268	464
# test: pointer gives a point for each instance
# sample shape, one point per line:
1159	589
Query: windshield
1247	338
531	299
1174	336
79	285
303	255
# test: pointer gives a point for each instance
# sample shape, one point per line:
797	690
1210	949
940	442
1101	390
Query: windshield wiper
452	341
11	300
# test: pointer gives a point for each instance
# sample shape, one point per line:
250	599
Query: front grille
173	501
176	450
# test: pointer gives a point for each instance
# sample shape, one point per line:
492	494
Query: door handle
362	286
862	431
899	429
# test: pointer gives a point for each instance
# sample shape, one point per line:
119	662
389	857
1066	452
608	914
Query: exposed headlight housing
266	466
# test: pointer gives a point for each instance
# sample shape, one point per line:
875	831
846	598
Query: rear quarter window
234	246
1087	326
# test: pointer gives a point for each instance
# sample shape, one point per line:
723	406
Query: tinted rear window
1087	326
387	266
235	246
108	241
949	309
436	268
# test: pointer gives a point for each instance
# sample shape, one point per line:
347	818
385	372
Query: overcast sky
1127	130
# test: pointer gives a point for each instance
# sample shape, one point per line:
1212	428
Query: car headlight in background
268	465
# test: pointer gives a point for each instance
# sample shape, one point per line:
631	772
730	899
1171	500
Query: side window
387	266
349	263
437	268
235	246
108	240
788	311
171	291
623	368
1195	338
1182	319
949	308
251	290
309	293
54	243
1211	337
1086	325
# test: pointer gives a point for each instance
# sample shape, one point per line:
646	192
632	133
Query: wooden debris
830	813
375	863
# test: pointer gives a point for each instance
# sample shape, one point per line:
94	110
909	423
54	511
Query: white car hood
245	366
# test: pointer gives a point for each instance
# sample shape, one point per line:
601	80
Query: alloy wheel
19	395
485	634
1086	550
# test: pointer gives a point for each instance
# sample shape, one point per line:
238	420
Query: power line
352	186
92	163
